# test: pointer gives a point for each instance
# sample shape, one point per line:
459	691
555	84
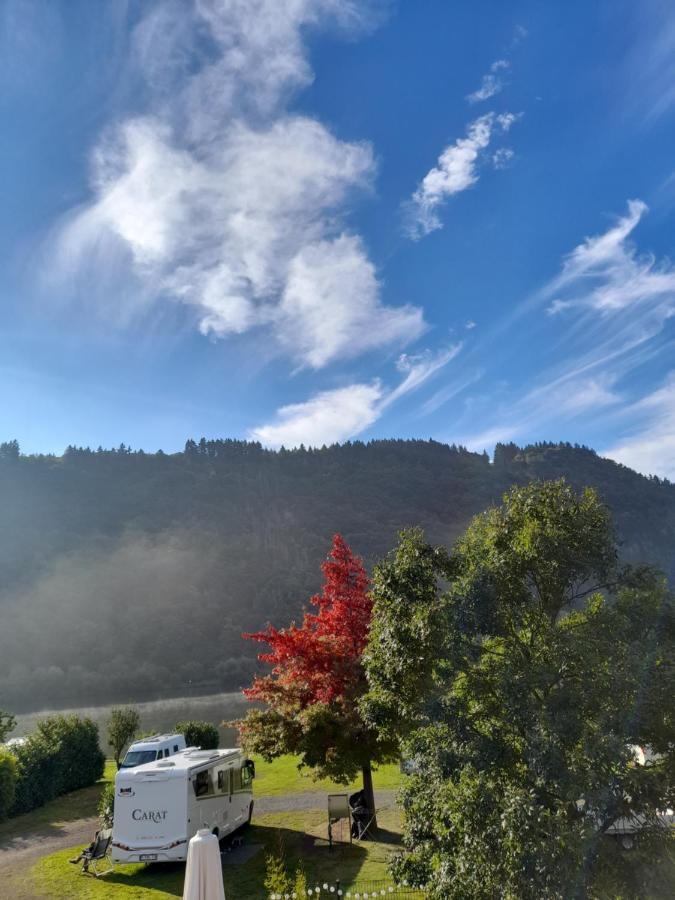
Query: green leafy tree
123	724
199	734
7	724
519	672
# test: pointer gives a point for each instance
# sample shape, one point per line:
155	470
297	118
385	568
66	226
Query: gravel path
21	851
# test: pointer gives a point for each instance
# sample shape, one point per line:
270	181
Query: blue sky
314	220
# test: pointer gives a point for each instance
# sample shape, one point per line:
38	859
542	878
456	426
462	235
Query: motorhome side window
224	781
203	786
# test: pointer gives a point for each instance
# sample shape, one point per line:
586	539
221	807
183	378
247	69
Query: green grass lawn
283	777
301	834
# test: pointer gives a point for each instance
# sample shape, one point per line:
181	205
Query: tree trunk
370	794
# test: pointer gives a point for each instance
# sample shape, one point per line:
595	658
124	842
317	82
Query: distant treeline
127	575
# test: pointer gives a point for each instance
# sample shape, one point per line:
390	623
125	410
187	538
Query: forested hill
127	575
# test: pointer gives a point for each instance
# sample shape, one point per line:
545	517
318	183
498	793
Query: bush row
61	755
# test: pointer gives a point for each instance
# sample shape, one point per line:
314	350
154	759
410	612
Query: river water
158	715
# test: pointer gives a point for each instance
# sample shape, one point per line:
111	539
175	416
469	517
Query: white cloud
502	158
222	200
547	406
650	446
491	83
447	393
327	418
330	306
606	273
456	170
612	302
336	415
419	368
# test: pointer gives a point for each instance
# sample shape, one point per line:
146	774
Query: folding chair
98	853
362	816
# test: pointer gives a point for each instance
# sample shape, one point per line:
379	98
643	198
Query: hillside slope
129	575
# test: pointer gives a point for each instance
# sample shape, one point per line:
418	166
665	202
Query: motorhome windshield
138	758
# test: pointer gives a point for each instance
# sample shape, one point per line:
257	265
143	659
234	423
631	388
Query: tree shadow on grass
167	877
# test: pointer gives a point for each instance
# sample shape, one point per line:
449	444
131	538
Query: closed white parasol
203	870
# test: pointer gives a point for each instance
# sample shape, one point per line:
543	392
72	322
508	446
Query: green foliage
122	727
81	761
8	778
106	805
7	723
199	734
39	769
300	883
405	630
534	669
277	881
61	755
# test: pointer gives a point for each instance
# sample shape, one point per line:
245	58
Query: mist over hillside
129	576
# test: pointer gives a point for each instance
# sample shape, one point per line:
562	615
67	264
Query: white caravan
161	805
148	749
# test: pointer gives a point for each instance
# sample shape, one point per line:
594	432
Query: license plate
147	857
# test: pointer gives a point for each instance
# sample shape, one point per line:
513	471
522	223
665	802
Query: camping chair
362	816
98	853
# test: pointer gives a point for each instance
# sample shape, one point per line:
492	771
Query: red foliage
320	661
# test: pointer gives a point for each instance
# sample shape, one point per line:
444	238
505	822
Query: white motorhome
161	805
148	749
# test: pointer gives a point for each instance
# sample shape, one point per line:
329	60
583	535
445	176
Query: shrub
7	723
81	761
8	778
277	882
61	755
300	886
38	773
199	734
122	727
106	805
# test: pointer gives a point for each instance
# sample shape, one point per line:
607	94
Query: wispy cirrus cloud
455	171
606	272
218	197
336	415
492	82
611	303
547	407
648	444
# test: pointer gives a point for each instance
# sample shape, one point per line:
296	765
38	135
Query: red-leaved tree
317	677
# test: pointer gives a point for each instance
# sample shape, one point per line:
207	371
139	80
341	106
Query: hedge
81	760
8	778
61	755
199	734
